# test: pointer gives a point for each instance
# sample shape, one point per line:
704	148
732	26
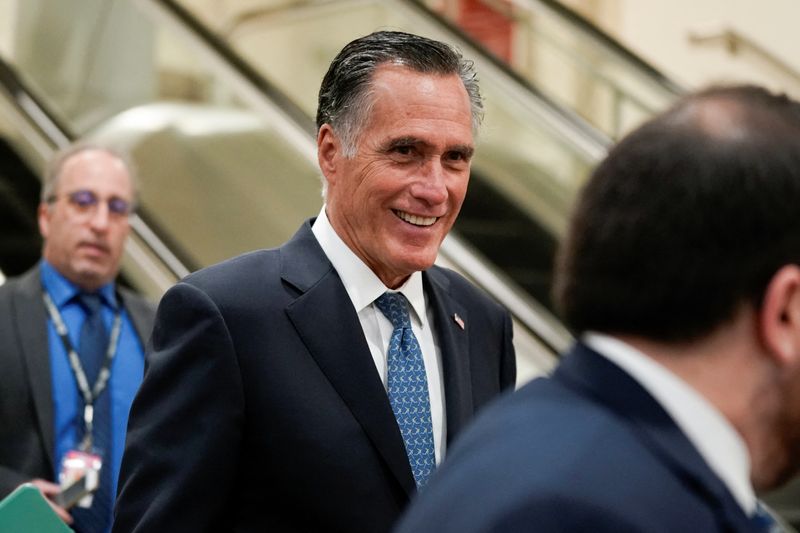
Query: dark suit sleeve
508	359
185	426
24	365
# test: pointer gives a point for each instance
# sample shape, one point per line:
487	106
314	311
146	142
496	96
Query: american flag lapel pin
458	320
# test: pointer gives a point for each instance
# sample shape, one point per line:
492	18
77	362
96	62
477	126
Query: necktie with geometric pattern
407	387
92	348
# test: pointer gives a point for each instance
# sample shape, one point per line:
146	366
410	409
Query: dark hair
687	218
344	99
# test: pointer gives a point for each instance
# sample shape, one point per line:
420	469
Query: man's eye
83	199
402	150
118	206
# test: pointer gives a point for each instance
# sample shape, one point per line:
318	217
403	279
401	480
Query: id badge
76	465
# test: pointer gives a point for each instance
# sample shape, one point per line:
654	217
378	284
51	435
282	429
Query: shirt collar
720	445
62	290
361	283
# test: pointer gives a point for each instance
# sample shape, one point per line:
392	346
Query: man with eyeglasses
72	350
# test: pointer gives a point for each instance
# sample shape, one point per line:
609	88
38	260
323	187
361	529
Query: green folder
26	511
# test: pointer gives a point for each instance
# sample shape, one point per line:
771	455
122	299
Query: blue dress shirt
126	371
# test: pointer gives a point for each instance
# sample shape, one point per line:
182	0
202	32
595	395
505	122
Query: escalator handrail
30	105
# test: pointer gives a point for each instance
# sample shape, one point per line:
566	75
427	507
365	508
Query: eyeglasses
85	202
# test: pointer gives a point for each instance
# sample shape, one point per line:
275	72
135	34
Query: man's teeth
414	219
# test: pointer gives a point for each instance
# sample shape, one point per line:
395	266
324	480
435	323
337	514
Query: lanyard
89	395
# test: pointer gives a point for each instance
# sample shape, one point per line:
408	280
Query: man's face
84	241
395	200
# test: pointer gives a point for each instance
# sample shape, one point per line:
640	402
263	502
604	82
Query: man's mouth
414	219
96	247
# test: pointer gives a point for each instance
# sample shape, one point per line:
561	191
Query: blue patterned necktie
407	387
763	521
92	348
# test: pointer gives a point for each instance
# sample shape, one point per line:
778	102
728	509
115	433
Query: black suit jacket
262	410
27	441
586	450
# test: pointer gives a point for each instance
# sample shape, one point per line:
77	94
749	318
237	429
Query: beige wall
659	31
7	17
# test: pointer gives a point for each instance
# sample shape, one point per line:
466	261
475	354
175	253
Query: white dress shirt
707	429
363	287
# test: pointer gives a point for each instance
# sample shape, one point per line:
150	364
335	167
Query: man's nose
430	185
100	217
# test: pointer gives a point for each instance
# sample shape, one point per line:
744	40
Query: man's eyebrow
402	141
465	149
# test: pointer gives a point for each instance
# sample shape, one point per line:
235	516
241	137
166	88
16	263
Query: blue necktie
407	387
92	348
763	521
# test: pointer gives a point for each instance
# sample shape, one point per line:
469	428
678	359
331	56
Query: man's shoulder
237	269
26	283
570	431
245	279
548	448
460	288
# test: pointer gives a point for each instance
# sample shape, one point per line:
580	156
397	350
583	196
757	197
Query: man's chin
93	278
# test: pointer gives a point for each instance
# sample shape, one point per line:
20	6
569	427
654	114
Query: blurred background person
73	340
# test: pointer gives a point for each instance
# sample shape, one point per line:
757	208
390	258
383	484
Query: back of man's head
687	218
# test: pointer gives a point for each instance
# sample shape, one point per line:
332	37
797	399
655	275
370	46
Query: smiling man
316	386
67	304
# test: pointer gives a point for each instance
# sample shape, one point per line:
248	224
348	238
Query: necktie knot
92	303
393	307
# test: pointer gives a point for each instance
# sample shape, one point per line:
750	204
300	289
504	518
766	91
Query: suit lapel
330	329
140	314
454	347
31	321
598	377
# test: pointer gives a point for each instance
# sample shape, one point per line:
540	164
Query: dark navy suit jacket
262	410
27	429
586	450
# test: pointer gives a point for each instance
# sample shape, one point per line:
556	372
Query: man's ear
779	316
328	148
43	216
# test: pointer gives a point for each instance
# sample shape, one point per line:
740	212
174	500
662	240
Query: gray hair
58	160
345	95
